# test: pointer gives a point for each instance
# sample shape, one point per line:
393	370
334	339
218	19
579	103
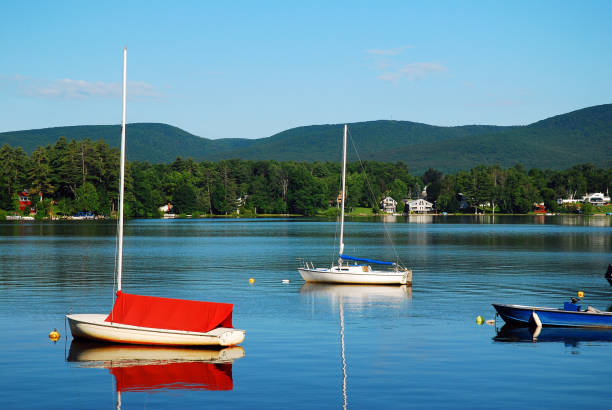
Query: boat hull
354	277
523	316
94	326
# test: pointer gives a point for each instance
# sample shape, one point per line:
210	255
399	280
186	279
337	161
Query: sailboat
356	273
138	319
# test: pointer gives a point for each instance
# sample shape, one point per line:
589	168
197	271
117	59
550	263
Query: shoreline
12	218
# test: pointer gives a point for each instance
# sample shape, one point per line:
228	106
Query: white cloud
385	61
82	89
387	52
412	71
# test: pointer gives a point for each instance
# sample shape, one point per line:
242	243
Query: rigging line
116	261
372	197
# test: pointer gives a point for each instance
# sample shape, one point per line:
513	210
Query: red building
539	208
26	203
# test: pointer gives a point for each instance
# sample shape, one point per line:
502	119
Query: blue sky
252	69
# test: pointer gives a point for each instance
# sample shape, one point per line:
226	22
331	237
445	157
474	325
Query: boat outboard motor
572	306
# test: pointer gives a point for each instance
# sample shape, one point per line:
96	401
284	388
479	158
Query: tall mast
343	190
122	177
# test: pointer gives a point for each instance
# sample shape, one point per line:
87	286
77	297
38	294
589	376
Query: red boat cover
179	375
174	314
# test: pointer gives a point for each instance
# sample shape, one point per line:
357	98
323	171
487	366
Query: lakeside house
420	206
167	210
240	201
388	205
25	203
596	198
539	208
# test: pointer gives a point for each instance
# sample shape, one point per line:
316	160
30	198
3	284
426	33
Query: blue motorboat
571	315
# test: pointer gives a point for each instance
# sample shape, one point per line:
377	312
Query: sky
250	69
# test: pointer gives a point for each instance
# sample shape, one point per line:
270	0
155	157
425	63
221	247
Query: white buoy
285	281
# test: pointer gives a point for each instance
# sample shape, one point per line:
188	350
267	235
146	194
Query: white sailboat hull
93	326
357	276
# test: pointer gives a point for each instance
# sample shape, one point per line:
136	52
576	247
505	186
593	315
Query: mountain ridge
557	142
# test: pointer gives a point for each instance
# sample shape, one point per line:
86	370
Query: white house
388	205
597	198
166	208
420	206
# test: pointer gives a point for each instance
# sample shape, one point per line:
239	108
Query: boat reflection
358	296
147	368
354	297
568	335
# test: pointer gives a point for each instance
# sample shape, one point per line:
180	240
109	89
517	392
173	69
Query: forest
82	175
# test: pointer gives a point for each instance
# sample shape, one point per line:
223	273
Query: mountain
557	143
152	142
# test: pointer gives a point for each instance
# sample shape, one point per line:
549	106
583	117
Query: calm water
413	347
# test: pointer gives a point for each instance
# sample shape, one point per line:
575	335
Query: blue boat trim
352	258
522	316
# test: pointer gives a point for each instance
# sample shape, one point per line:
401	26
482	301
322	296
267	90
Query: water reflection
420	219
358	296
568	336
149	368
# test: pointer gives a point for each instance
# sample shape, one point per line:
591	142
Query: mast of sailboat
343	193
121	178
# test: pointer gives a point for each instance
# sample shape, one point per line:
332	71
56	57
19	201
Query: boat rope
116	264
373	199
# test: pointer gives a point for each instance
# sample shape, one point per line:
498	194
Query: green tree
86	198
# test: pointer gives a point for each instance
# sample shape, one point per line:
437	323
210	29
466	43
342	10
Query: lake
311	346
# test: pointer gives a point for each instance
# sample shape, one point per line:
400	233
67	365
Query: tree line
83	176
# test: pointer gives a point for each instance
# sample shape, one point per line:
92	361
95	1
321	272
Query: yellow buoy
479	320
54	335
251	280
580	294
